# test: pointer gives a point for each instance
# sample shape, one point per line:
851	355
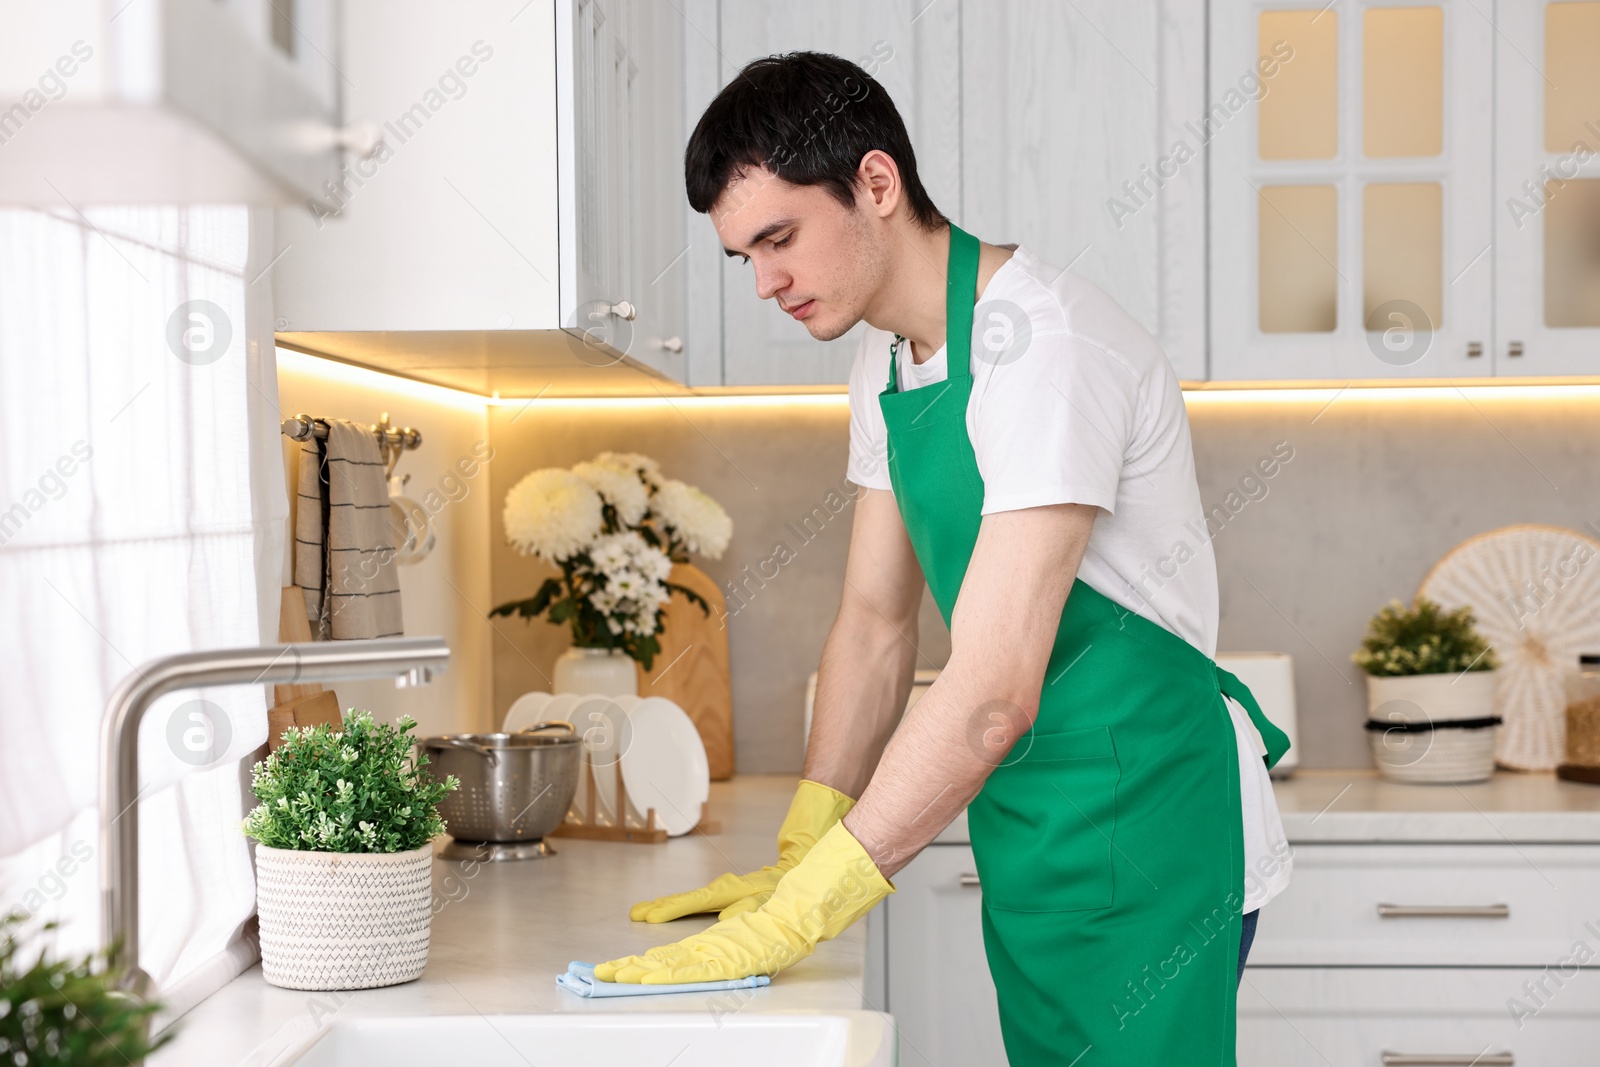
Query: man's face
818	259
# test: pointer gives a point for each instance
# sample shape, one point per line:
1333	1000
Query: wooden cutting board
294	627
692	668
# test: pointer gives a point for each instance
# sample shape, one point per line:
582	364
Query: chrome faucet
410	660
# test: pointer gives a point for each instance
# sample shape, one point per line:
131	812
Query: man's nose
769	280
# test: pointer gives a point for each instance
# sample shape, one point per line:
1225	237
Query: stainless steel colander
514	787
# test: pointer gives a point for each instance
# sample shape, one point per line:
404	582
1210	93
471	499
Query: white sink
686	1039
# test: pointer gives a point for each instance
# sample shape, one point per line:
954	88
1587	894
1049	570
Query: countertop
1357	806
502	931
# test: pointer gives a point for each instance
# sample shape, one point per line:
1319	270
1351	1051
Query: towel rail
304	427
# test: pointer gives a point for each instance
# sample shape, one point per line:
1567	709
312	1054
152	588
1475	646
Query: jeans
1247	934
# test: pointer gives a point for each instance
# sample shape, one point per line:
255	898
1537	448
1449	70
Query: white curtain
141	514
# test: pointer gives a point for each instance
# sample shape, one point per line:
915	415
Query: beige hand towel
344	546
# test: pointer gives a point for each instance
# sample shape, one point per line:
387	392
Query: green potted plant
67	1012
1431	708
618	532
344	860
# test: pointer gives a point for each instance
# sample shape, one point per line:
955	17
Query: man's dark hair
808	117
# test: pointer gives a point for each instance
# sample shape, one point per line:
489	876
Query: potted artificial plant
344	863
615	529
1431	711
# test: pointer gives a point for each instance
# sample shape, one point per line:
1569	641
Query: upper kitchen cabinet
171	101
1547	197
913	51
1080	139
1350	190
1058	126
521	229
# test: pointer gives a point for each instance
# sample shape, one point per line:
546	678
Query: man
1023	447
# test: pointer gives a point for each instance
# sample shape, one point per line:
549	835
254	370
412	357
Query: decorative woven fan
1535	591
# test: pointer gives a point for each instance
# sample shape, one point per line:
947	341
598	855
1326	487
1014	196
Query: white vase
607	671
343	920
1448	754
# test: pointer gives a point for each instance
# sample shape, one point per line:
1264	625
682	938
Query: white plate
526	710
604	725
664	766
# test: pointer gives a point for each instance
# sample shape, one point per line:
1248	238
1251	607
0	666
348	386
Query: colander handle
455	742
571	729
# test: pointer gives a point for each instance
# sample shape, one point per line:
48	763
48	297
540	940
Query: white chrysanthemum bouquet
614	526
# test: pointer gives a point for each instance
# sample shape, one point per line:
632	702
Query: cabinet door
1350	189
1072	120
169	101
939	990
453	225
1547	210
619	71
910	49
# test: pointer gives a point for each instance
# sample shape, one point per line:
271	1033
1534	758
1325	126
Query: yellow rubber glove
831	888
812	813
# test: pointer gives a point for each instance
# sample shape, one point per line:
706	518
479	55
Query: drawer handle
1444	911
1433	1059
969	881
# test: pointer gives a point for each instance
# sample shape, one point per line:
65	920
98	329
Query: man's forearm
862	686
937	763
1002	632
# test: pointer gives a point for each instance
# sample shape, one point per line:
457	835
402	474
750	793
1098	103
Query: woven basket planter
343	920
1433	728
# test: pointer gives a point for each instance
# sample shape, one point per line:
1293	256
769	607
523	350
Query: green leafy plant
1423	639
359	789
67	1012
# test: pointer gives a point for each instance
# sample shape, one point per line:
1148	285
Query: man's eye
786	240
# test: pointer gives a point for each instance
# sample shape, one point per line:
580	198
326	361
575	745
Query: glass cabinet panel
1299	290
1402	108
1572	253
1299	115
1402	240
1571	75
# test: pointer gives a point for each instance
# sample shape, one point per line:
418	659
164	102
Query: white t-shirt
1074	402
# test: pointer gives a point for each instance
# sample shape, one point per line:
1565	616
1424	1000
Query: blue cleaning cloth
581	980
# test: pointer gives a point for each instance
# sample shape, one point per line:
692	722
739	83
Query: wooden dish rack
589	827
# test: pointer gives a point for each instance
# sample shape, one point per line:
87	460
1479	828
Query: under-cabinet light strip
1193	393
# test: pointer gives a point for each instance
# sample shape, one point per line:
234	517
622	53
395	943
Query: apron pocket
1043	824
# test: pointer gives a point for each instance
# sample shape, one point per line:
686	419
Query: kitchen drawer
1351	1016
1329	914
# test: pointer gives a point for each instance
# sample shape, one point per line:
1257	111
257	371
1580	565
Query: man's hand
812	813
833	886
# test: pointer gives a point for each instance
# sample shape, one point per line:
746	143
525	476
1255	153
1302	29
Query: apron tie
1276	740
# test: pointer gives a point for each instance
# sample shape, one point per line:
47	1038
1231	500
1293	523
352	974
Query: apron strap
1276	740
961	292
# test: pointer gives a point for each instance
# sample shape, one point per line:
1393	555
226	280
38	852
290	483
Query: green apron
1109	842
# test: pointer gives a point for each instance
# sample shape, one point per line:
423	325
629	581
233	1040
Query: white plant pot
1442	755
343	920
607	671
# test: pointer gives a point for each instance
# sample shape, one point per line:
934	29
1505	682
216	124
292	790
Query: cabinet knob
623	310
968	881
671	344
1514	349
1474	349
